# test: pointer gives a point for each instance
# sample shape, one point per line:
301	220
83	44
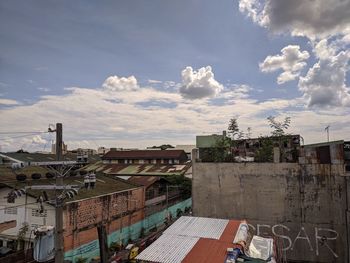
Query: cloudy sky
141	73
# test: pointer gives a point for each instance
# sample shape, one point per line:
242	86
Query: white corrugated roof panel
168	249
198	227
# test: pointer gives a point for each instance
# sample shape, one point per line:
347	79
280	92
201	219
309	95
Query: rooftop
145	154
7	174
104	186
192	240
145	180
139	169
44	157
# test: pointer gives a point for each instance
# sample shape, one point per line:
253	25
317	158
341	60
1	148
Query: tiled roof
139	169
145	154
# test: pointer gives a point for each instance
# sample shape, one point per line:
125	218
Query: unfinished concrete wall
305	206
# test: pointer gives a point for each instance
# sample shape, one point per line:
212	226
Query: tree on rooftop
279	127
233	129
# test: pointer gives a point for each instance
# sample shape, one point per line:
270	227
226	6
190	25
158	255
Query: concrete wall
303	205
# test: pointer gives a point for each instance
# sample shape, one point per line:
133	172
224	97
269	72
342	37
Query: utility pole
59	204
327	129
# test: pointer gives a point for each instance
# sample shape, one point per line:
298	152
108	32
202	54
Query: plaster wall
305	206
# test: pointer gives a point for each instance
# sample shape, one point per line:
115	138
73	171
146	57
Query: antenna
327	129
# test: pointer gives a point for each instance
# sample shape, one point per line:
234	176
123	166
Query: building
185	147
64	148
248	150
202	240
117	205
113	202
23	159
102	150
145	157
304	202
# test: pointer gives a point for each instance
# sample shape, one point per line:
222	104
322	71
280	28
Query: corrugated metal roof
198	227
168	249
193	239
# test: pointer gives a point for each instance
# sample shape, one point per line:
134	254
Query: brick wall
82	217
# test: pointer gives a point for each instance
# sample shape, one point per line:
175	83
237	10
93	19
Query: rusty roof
145	154
145	180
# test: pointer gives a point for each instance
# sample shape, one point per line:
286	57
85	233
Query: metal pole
59	206
167	195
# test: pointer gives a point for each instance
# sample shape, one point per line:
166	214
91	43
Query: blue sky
57	56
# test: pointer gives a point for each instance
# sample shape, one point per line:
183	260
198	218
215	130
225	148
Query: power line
20	136
22	132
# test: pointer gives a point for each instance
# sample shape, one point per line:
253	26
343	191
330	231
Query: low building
114	203
261	149
145	157
23	159
185	147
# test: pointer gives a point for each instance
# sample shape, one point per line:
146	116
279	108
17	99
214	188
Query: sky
143	73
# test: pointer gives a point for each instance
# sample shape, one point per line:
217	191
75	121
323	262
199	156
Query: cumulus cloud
314	19
95	117
115	83
327	25
38	140
291	61
8	102
199	84
325	82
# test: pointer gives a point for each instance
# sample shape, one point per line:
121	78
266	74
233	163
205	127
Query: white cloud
199	84
325	82
154	81
38	140
116	118
314	19
8	102
43	89
115	83
327	25
291	61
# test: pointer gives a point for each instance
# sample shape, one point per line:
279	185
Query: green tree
265	152
233	129
279	131
279	127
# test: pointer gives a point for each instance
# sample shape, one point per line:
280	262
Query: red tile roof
145	154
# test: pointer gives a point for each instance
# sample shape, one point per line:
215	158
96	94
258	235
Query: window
36	213
11	210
